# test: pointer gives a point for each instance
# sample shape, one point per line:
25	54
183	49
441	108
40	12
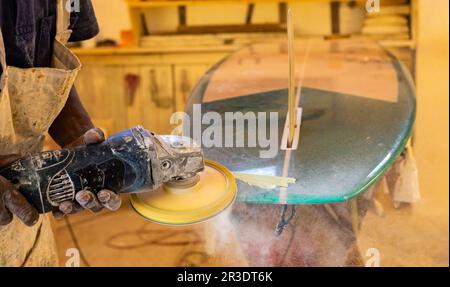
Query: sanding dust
264	181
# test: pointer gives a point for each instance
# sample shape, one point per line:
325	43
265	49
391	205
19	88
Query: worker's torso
30	100
29	28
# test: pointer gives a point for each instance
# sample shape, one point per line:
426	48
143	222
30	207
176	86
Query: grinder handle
46	179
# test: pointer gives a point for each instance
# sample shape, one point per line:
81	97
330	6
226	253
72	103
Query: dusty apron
30	100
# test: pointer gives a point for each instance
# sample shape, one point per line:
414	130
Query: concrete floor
409	236
124	238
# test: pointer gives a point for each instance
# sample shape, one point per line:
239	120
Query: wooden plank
101	92
147	4
137	51
292	108
157	97
186	78
194	30
133	98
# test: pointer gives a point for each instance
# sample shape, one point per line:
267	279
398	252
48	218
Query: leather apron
30	101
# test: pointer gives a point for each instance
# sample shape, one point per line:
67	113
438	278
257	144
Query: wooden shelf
146	50
139	10
151	3
398	43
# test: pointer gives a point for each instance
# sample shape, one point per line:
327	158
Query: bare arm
74	127
72	122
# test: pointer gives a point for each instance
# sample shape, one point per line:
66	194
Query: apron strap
63	19
2	53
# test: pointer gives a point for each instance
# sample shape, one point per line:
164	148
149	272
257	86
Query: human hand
86	199
13	202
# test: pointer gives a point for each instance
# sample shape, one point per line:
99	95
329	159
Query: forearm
72	122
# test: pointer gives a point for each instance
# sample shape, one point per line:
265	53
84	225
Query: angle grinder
169	180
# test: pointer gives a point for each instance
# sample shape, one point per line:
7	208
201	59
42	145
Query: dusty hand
13	202
86	199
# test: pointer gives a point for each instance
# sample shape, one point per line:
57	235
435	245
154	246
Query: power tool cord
289	245
284	221
154	237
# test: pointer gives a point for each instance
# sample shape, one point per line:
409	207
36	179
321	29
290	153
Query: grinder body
131	161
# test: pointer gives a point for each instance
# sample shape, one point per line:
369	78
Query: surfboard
358	104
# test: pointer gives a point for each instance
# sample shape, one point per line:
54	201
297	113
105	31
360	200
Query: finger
18	205
67	208
70	207
5	215
88	201
94	136
109	199
8	159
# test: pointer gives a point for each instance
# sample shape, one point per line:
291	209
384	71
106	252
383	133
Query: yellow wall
112	16
432	137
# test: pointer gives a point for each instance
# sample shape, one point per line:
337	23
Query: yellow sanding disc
189	202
